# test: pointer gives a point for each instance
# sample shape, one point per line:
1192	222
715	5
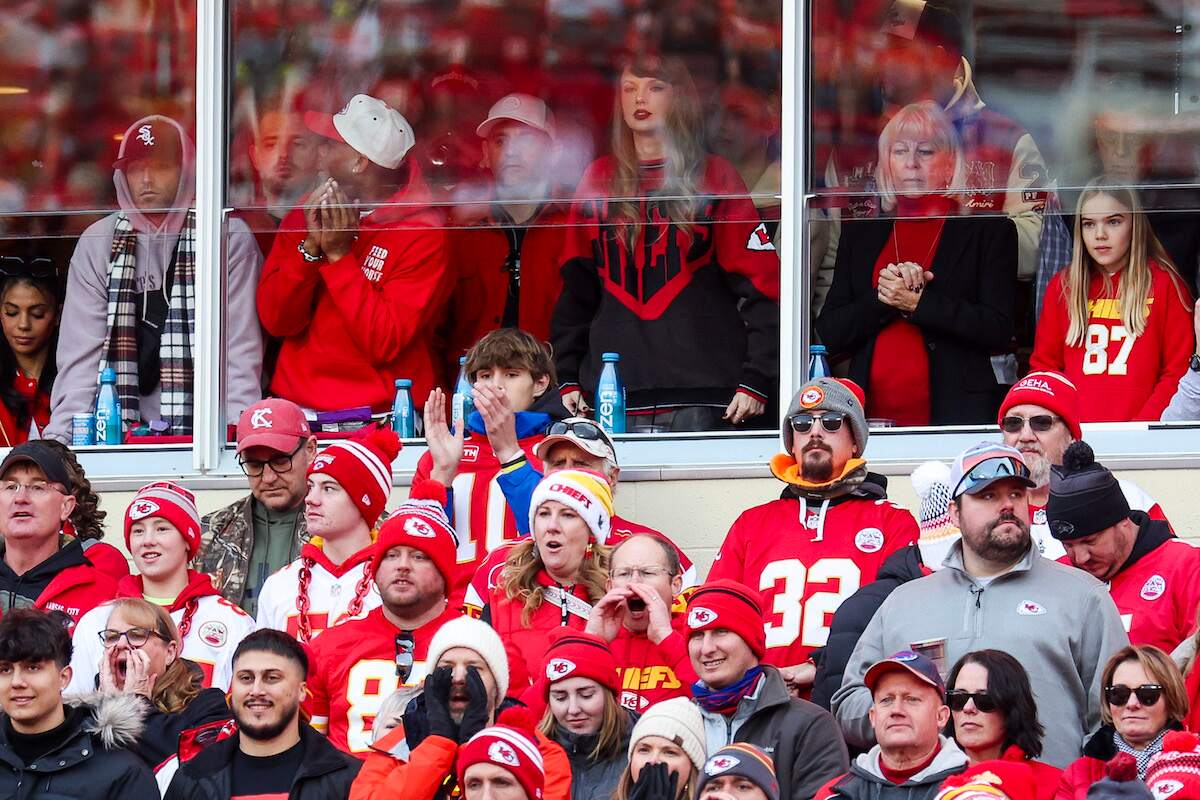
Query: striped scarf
726	701
1141	756
175	348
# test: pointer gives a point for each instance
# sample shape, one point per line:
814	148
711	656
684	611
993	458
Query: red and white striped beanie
363	467
173	503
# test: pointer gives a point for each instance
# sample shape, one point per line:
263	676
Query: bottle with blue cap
610	396
462	403
818	362
108	409
404	418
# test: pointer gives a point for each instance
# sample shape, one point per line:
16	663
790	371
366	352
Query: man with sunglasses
357	664
996	591
1153	577
827	535
39	565
250	539
1040	418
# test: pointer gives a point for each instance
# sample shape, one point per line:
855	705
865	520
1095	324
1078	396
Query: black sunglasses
831	421
279	464
404	655
17	267
582	430
1039	423
957	700
1147	694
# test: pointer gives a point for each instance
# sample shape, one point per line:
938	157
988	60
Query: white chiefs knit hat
474	635
677	720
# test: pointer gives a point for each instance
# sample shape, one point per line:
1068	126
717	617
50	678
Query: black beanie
1085	498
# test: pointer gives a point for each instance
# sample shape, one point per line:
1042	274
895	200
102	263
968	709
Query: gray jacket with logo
1058	621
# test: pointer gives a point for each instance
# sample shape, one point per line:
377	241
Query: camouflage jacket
227	540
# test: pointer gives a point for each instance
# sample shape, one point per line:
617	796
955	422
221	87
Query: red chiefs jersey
354	671
1121	376
651	673
482	518
806	560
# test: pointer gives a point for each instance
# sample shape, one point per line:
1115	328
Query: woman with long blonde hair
552	578
665	248
1118	320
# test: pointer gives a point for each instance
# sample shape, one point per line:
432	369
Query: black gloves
655	782
437	704
475	718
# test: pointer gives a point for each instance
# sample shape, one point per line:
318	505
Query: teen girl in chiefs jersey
665	250
1117	321
348	485
162	533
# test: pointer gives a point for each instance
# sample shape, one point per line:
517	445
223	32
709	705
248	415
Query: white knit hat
678	720
474	635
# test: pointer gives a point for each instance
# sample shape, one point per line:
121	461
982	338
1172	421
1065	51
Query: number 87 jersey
807	557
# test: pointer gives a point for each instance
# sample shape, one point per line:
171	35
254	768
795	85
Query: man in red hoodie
41	567
357	277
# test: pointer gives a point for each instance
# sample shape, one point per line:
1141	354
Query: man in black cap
39	566
1151	575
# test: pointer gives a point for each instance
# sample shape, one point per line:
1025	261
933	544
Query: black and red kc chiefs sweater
694	312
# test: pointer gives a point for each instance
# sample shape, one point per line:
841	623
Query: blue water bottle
403	415
461	404
610	396
818	362
108	409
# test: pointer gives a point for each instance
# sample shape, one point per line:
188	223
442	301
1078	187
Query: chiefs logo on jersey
700	616
1028	608
718	764
142	509
558	668
503	754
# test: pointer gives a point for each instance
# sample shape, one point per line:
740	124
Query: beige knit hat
678	720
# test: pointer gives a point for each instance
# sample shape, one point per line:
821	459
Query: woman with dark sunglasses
993	715
31	298
1144	699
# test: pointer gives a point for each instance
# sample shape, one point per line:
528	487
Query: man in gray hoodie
996	591
131	294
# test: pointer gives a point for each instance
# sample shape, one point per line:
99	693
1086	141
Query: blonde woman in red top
1118	320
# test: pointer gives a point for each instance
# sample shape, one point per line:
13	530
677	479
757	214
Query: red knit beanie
362	465
421	523
173	503
576	654
1050	390
730	605
511	744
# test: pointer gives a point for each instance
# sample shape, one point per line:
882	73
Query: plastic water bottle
461	404
403	415
610	396
818	362
108	409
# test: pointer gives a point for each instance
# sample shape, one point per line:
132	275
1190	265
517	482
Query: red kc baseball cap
275	423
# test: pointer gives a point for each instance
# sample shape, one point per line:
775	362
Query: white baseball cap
370	126
523	108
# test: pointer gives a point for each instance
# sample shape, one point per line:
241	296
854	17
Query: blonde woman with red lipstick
1118	320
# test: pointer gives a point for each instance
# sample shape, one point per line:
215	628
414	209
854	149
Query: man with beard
272	754
827	535
1040	417
995	591
357	664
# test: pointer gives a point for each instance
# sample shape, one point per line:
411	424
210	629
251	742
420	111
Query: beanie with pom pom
931	482
510	744
1085	498
1120	781
1175	772
362	465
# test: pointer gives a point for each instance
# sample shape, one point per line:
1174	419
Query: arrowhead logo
700	616
1028	608
718	764
416	527
142	509
559	668
503	754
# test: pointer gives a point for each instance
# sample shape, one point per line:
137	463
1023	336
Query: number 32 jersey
806	558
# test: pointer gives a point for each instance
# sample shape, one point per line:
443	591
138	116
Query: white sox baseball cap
370	126
523	108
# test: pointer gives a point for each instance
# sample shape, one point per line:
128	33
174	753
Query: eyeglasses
137	637
279	464
831	421
17	267
405	645
581	430
989	470
1147	694
1038	424
957	700
37	490
638	573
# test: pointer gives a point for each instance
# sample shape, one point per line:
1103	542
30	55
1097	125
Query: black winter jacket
160	738
965	314
593	780
93	764
325	774
852	616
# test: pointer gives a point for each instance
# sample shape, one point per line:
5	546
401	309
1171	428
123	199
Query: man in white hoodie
131	294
